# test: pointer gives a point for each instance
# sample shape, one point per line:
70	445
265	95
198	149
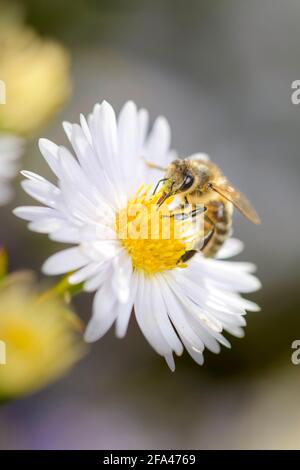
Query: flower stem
62	289
3	263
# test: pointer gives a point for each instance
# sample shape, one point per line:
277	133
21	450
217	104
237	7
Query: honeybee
199	181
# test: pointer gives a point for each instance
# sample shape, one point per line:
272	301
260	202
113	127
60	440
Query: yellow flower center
153	237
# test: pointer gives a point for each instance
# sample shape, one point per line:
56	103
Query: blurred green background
221	72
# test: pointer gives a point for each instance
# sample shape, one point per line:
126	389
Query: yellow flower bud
34	74
39	338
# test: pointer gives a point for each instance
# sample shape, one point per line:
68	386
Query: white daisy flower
175	305
11	149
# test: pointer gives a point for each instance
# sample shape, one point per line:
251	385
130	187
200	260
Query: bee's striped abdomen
218	218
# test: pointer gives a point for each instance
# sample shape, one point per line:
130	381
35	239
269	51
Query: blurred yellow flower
36	77
39	338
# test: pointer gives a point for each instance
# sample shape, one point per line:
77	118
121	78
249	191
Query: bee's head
178	179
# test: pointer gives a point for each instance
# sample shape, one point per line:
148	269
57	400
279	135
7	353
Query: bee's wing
198	156
238	199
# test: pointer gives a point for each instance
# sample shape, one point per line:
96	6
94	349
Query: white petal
122	276
65	261
196	355
232	300
67	126
86	155
170	361
66	234
128	145
45	225
162	319
178	317
231	276
104	314
42	191
143	121
33	176
85	273
158	142
96	281
49	150
122	321
127	131
231	247
31	213
86	129
125	310
145	317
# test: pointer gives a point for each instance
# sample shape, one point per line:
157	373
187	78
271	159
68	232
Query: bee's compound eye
187	182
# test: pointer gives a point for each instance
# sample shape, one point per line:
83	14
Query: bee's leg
189	254
188	215
208	237
153	165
